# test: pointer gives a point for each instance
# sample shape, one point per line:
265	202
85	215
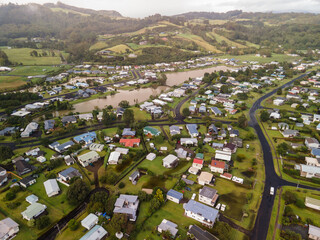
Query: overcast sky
143	8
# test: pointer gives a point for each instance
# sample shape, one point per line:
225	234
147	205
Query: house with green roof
312	203
34	210
151	131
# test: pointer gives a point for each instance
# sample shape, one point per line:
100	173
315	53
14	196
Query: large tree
128	116
5	153
77	191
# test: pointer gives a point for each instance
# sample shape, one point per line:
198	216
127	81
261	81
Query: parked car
193	196
272	191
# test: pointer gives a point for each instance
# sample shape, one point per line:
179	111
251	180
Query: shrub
13	205
10	196
300	203
121	185
289	197
42	222
73	225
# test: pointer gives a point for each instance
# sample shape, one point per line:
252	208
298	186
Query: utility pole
298	185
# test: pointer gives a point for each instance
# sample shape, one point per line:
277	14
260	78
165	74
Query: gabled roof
175	194
208	192
130	142
198	161
70	172
201	209
218	164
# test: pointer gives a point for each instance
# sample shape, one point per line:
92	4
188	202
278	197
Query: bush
10	196
42	222
73	225
289	197
13	205
300	203
121	185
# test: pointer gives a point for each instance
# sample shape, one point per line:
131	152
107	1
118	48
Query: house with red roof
133	142
197	163
218	166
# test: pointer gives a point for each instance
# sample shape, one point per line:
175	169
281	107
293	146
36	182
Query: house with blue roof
216	111
318	127
96	233
174	196
315	152
192	129
200	212
128	133
86	138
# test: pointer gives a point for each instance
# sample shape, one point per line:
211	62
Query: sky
143	8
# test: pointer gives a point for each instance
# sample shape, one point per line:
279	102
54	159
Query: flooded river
143	94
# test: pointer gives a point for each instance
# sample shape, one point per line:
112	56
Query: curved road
260	229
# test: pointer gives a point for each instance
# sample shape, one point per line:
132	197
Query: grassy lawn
9	82
140	115
22	55
98	45
121	48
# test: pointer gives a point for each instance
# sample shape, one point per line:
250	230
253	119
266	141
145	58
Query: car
272	191
14	180
193	196
218	206
223	207
187	188
91	164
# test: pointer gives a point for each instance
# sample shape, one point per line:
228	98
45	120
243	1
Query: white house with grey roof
208	196
127	204
8	229
174	130
314	232
31	128
34	210
69	173
169	226
201	213
114	158
89	157
170	161
90	221
51	187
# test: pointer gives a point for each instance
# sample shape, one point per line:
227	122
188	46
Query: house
150	131
134	176
89	157
68	119
9	229
86	116
174	196
275	115
27	181
208	196
130	142
61	147
170	161
96	233
86	138
311	143
49	125
189	141
3	176
114	158
229	147
96	147
236	141
69	173
51	187
123	151
216	111
90	221
218	146
223	155
205	178
312	161
279	101
315	152
316	117
127	204
192	129
151	156
193	170
169	226
290	133
197	163
128	133
234	133
33	211
174	130
309	171
31	128
22	167
312	203
32	199
200	234
314	232
218	166
201	213
69	160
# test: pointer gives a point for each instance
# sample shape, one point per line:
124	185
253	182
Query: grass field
199	41
33	70
11	82
68	11
121	48
221	38
22	55
98	46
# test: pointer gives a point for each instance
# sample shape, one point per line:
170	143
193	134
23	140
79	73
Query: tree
109	178
279	91
162	79
264	116
242	121
73	225
289	197
124	104
224	89
119	222
242	96
5	153
77	191
42	222
186	112
128	116
159	196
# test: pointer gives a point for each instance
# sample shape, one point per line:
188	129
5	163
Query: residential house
123	151
193	170
218	166
200	212
223	155
96	147
212	130
49	125
312	203
69	173
311	143
192	129
168	226
170	161
68	119
197	163
151	156
216	111
200	234
309	171
22	167
69	160
85	116
315	152
174	196
189	141
31	128
127	204
229	147
150	131
51	187
205	178
316	117
88	158
174	130
208	196
114	157
312	161
314	232
61	147
128	133
218	146
130	142
90	221
290	133
33	211
134	176
86	138
279	101
32	199
234	133
9	229
236	141
3	176
96	233
27	181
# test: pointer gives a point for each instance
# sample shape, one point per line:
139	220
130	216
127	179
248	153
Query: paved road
260	229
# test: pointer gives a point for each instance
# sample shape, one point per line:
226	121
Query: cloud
143	8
